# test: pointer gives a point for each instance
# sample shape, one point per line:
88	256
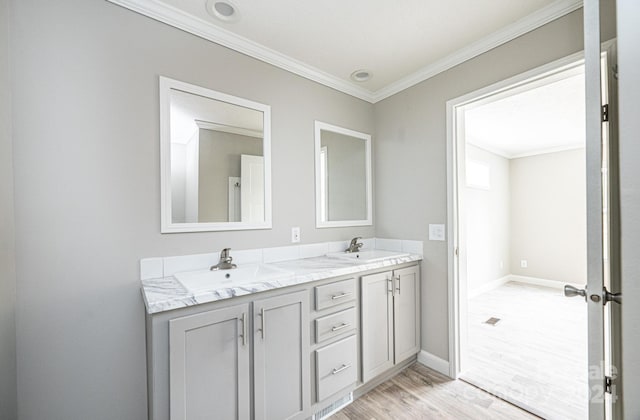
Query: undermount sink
201	280
368	255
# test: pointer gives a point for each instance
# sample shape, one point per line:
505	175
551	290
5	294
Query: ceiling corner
175	17
527	24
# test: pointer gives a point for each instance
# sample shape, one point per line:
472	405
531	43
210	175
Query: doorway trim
505	87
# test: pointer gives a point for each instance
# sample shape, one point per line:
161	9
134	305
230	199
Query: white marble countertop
167	293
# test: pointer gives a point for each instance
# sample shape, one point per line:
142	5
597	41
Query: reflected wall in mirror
215	160
343	176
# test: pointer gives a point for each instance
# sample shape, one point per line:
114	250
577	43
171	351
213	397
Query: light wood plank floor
536	355
421	393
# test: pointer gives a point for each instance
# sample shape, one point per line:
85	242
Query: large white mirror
215	158
343	176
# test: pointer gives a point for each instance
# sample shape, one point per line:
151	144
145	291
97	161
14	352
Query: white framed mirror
215	152
343	177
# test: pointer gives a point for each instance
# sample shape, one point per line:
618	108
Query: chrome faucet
225	261
354	246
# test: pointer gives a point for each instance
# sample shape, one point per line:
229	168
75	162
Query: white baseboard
488	286
555	284
433	362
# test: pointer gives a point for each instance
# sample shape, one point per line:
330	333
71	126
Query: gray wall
487	222
411	143
85	90
629	100
549	216
7	243
534	211
87	182
219	159
346	176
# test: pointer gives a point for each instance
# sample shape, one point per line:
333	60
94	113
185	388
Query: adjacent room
525	229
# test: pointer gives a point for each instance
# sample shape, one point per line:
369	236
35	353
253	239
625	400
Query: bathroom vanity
291	345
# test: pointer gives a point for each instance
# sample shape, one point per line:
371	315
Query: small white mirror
343	176
216	162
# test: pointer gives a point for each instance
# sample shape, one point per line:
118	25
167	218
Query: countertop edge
166	293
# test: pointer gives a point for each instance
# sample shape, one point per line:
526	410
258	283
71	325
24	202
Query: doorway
522	212
602	232
487	257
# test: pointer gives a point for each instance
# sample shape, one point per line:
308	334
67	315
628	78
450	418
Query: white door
601	240
252	191
602	228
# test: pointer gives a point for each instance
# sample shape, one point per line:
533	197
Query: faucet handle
225	252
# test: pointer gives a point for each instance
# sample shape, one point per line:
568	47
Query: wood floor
536	354
421	393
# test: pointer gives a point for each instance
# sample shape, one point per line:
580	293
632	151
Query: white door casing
455	172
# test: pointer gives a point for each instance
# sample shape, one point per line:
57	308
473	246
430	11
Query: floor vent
492	321
334	407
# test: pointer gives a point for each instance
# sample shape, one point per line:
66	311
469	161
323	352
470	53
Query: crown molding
175	17
535	152
547	150
247	132
508	33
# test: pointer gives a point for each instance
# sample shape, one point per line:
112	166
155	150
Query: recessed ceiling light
223	10
361	75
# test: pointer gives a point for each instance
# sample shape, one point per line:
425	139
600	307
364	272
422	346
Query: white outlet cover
295	235
436	232
523	264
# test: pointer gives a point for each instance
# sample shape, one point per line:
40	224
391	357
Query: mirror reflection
217	163
343	180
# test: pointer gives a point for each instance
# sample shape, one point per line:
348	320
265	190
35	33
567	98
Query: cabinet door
377	324
281	356
406	312
209	365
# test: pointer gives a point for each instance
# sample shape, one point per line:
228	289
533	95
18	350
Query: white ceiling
187	108
400	42
546	118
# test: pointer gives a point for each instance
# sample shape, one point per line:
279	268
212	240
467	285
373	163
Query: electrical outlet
436	232
523	264
295	235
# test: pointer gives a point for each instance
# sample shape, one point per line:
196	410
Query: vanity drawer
333	294
336	367
332	325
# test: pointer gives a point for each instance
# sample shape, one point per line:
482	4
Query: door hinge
456	252
608	384
605	113
611	297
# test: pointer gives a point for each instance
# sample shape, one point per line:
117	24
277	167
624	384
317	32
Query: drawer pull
340	327
244	328
261	329
335	297
340	369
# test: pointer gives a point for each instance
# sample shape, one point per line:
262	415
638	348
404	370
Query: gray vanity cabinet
209	361
390	319
406	313
253	357
209	365
377	324
281	356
